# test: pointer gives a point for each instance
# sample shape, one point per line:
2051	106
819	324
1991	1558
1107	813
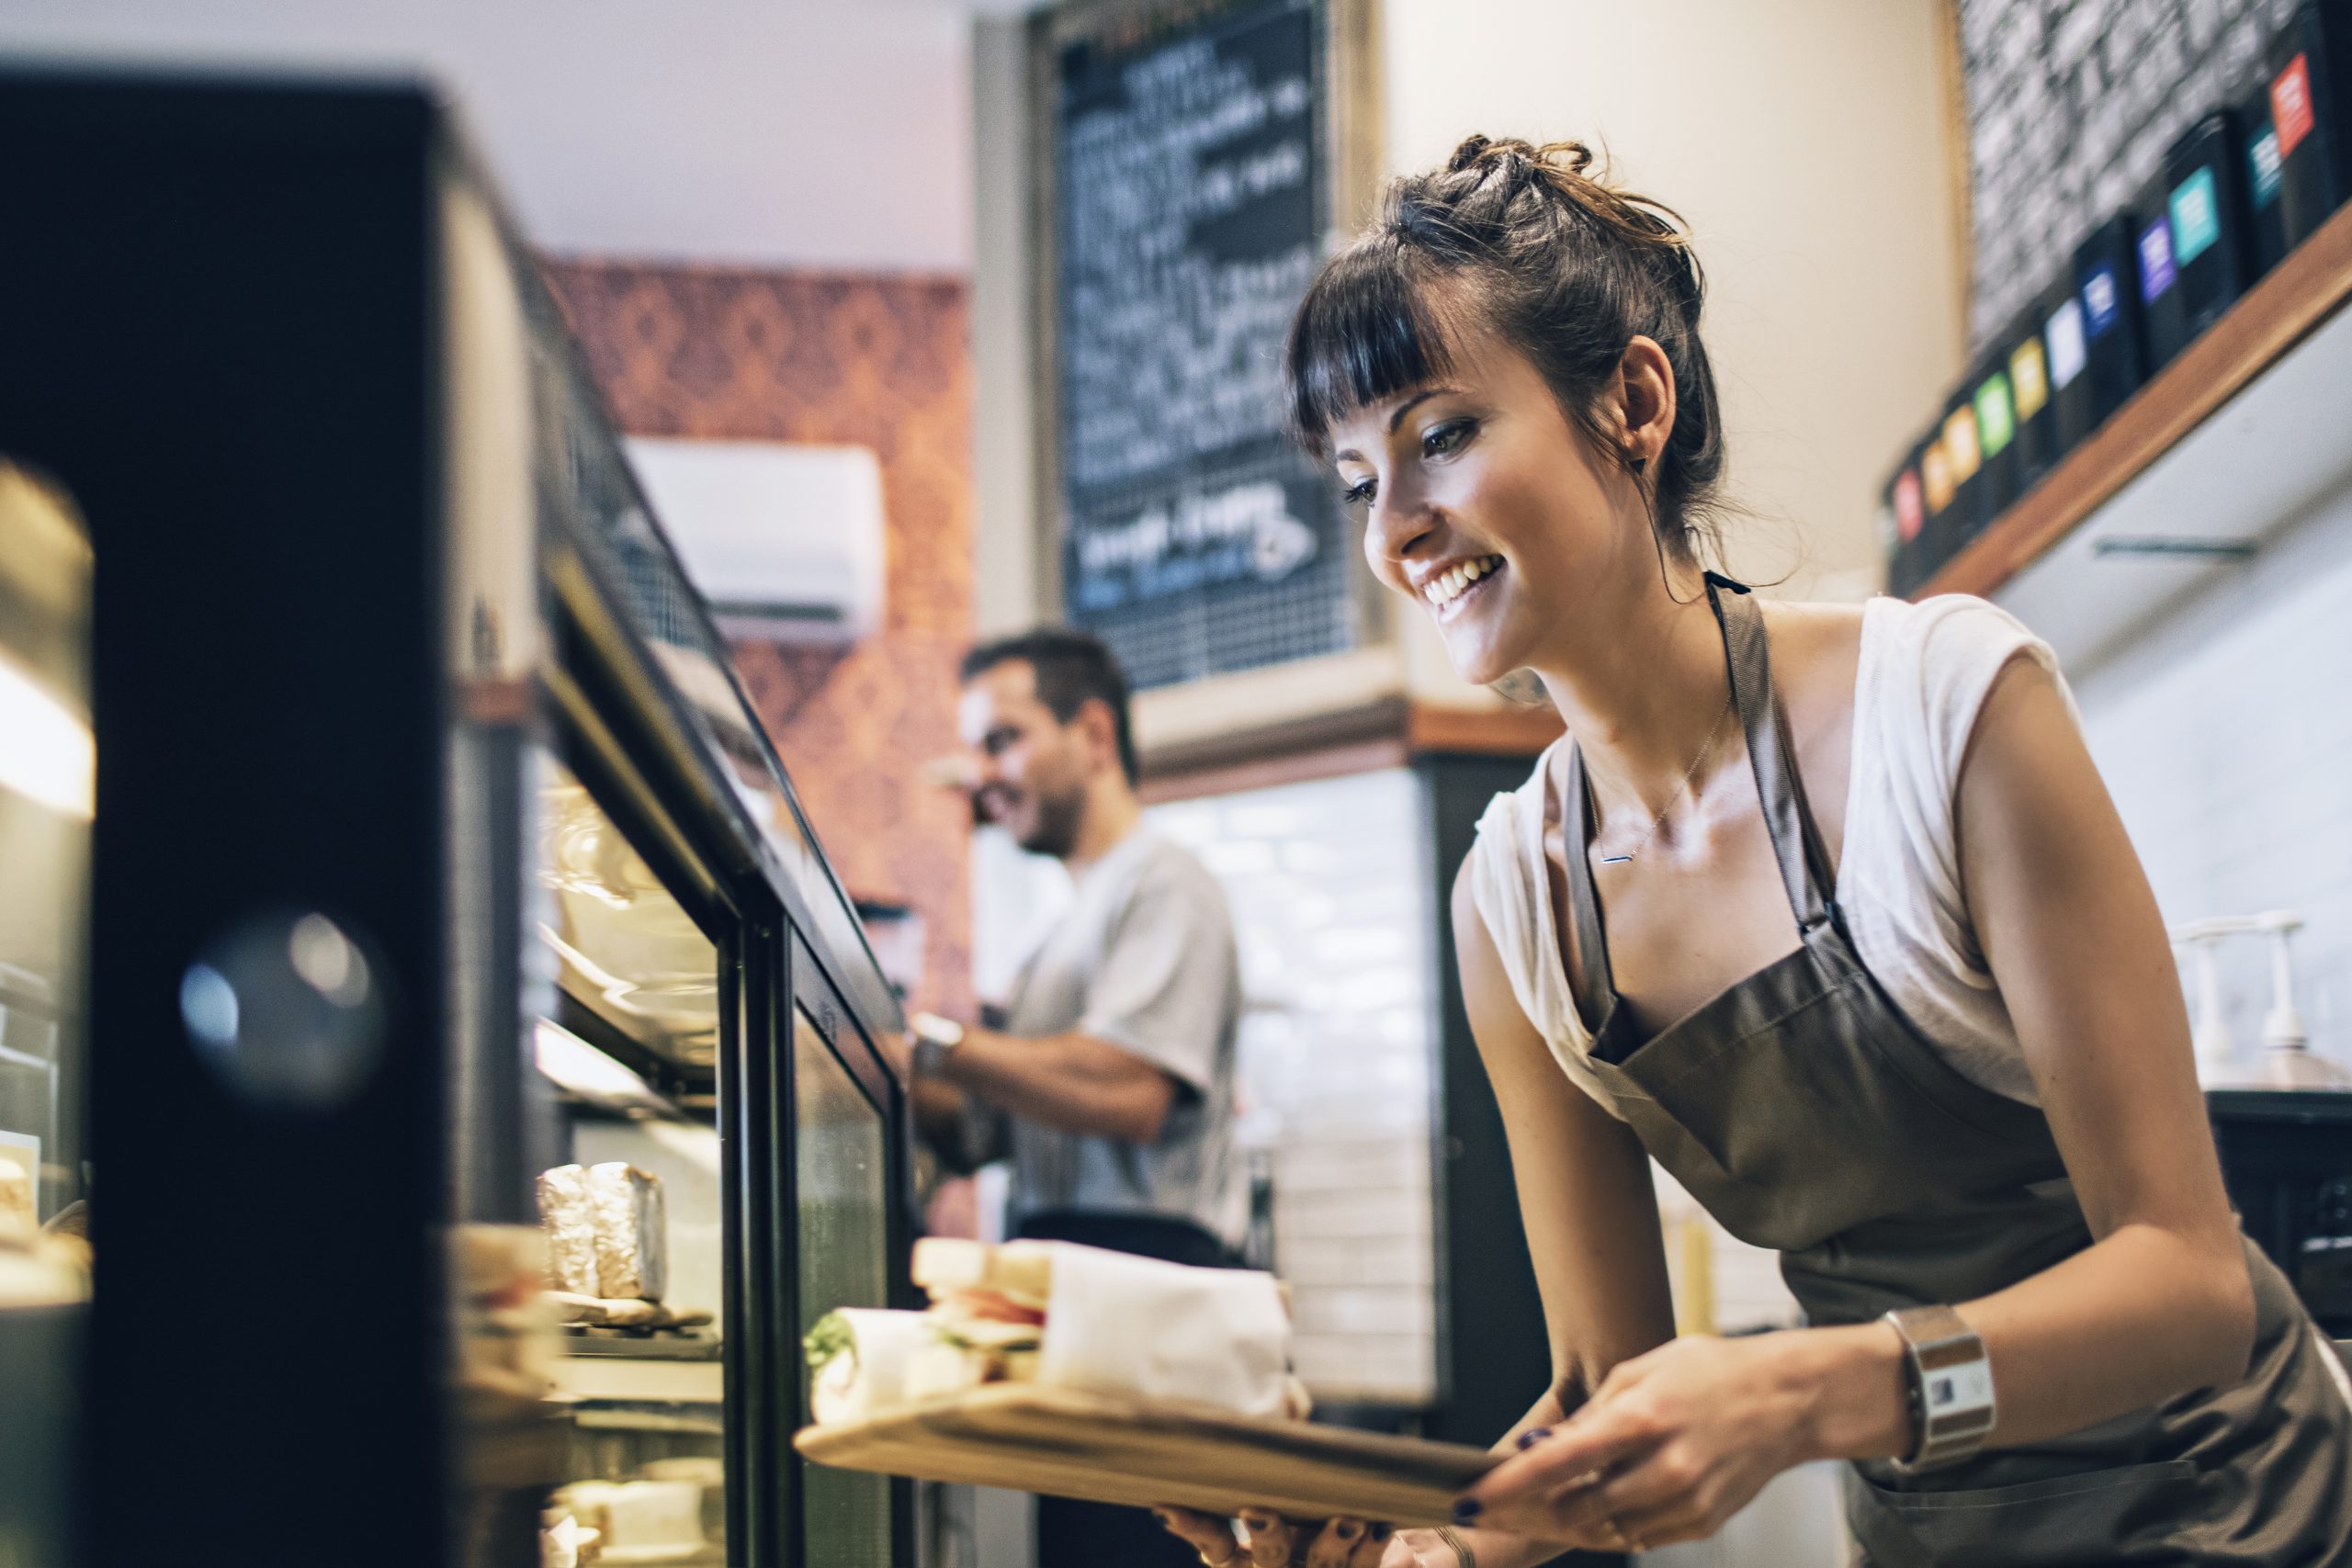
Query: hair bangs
1365	331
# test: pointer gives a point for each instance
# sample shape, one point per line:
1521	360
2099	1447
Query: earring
1640	463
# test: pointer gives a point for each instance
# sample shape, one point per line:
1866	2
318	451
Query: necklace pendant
1615	860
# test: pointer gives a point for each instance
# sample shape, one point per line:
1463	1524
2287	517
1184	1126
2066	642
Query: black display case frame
364	542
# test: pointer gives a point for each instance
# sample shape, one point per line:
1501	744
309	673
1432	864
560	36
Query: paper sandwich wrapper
1116	1324
1120	1325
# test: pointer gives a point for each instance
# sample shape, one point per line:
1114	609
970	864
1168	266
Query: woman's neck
1644	700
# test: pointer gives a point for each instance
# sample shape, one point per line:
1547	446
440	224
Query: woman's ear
1645	398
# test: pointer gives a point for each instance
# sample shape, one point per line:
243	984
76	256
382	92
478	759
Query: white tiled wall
1333	922
2225	735
1331	906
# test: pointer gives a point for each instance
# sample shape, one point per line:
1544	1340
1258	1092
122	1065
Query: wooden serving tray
1066	1443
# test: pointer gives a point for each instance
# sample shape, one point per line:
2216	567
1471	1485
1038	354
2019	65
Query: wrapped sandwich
608	1234
1072	1317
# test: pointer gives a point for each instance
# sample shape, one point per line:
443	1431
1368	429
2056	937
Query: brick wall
2071	104
854	359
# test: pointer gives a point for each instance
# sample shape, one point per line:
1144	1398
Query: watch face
1965	1387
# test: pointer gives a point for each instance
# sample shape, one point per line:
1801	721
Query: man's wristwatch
935	1039
1950	1387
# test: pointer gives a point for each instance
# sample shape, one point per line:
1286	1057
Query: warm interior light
46	752
574	1064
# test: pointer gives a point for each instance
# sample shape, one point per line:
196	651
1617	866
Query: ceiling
805	134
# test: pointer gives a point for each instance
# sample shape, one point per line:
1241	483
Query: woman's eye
1447	438
1357	495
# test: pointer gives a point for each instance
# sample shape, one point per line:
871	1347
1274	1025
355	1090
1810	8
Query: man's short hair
1072	667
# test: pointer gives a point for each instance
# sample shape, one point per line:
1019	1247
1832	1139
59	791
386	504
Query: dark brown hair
1559	264
1072	668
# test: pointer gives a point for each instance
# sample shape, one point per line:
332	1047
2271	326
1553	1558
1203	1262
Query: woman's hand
1677	1440
1270	1541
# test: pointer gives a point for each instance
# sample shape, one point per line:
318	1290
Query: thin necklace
1658	821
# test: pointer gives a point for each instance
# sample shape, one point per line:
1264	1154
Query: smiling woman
1873	971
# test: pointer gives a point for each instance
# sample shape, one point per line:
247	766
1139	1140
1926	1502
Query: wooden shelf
2299	295
1385	734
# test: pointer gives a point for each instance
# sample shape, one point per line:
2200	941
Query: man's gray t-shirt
1143	960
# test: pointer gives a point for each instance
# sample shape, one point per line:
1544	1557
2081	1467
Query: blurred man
1110	1085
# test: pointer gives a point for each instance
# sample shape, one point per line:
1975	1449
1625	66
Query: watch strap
935	1039
1950	1379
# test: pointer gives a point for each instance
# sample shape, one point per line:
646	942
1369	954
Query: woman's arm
1583	1182
2069	926
2160	1303
1584	1197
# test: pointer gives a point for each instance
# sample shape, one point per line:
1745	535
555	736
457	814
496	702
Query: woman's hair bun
1558	158
1473	149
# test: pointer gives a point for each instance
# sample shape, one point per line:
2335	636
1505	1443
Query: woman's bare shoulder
1817	651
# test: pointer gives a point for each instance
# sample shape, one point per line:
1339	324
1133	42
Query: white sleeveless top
1925	670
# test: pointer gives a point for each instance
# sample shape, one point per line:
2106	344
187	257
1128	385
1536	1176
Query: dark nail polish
1381	1532
1347	1529
1467	1508
1533	1436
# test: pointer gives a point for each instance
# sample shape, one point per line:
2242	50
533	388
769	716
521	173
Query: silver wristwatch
1951	1387
935	1039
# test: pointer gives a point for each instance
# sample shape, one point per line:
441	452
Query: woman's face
1488	508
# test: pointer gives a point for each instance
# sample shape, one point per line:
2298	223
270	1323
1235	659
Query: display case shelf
2234	356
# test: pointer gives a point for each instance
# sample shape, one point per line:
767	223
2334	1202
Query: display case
438	1087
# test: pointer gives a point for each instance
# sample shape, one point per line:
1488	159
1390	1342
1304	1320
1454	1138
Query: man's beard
1054	831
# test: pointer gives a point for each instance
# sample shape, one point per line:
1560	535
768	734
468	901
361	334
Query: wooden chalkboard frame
1350	112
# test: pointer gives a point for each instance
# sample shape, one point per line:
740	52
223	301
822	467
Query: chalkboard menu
1190	191
2071	104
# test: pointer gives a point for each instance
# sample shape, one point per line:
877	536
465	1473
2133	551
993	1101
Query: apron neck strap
1748	664
1805	864
1595	983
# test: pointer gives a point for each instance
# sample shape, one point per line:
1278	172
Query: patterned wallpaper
859	359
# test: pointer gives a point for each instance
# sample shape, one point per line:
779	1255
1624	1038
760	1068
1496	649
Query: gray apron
1806	1114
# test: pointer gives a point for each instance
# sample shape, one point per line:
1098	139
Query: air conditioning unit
785	540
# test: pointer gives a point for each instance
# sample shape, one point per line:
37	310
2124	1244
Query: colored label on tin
2264	163
1935	475
2102	304
1910	506
1995	415
2029	377
2156	268
2290	104
2196	215
2068	353
1961	449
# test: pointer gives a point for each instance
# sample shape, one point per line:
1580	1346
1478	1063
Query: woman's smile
1450	588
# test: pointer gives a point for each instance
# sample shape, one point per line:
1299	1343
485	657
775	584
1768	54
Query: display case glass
843	1192
46	769
632	1209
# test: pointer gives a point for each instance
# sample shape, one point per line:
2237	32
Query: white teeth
1446	588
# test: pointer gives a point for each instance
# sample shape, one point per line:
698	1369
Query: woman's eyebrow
1409	404
1397	417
